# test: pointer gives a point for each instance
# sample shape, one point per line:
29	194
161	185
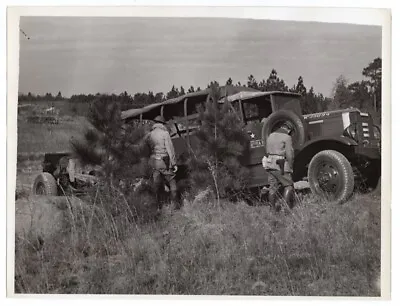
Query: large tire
331	176
45	184
272	122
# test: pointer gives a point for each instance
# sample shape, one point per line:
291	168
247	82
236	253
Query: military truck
334	150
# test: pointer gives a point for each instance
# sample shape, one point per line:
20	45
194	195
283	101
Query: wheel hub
328	178
40	189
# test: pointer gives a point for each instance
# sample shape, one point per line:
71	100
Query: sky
115	54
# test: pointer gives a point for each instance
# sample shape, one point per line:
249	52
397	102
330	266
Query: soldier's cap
286	126
159	119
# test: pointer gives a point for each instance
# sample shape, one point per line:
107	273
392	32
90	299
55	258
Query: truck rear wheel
45	184
331	176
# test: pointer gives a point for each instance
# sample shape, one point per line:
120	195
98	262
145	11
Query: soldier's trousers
276	182
163	175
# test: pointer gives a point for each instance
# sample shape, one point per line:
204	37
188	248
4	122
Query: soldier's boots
175	200
158	197
288	196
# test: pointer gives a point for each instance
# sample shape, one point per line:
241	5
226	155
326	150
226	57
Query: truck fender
305	153
341	139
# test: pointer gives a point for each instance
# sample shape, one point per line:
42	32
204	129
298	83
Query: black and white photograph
199	155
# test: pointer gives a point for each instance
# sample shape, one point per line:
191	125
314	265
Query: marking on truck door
316	121
256	143
346	120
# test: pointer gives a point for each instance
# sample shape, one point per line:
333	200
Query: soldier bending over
279	164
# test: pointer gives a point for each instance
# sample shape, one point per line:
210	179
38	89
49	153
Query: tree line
45	97
364	94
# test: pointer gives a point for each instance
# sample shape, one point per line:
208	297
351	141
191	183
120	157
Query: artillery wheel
45	184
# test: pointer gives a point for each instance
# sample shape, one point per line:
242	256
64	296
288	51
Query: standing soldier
279	164
162	160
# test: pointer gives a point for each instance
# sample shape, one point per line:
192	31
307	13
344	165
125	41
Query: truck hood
327	114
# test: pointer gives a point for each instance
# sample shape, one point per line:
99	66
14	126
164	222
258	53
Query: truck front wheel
331	176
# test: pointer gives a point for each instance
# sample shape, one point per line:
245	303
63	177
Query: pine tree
341	94
360	96
308	99
274	83
120	154
262	85
312	103
49	97
159	97
173	93
220	144
251	82
300	88
374	73
116	148
151	98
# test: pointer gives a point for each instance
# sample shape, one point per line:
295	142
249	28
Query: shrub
219	147
121	153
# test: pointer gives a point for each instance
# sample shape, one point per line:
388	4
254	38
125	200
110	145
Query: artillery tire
45	184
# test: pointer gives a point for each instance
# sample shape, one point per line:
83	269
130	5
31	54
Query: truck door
254	111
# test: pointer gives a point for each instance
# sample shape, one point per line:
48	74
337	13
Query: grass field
42	138
33	137
317	249
65	107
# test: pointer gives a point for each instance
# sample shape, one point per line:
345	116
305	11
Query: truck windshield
256	109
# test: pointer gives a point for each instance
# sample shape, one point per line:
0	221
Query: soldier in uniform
162	160
279	164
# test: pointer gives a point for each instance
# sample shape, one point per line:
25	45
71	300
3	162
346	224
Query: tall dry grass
230	249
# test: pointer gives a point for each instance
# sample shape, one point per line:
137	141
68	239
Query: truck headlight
351	132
